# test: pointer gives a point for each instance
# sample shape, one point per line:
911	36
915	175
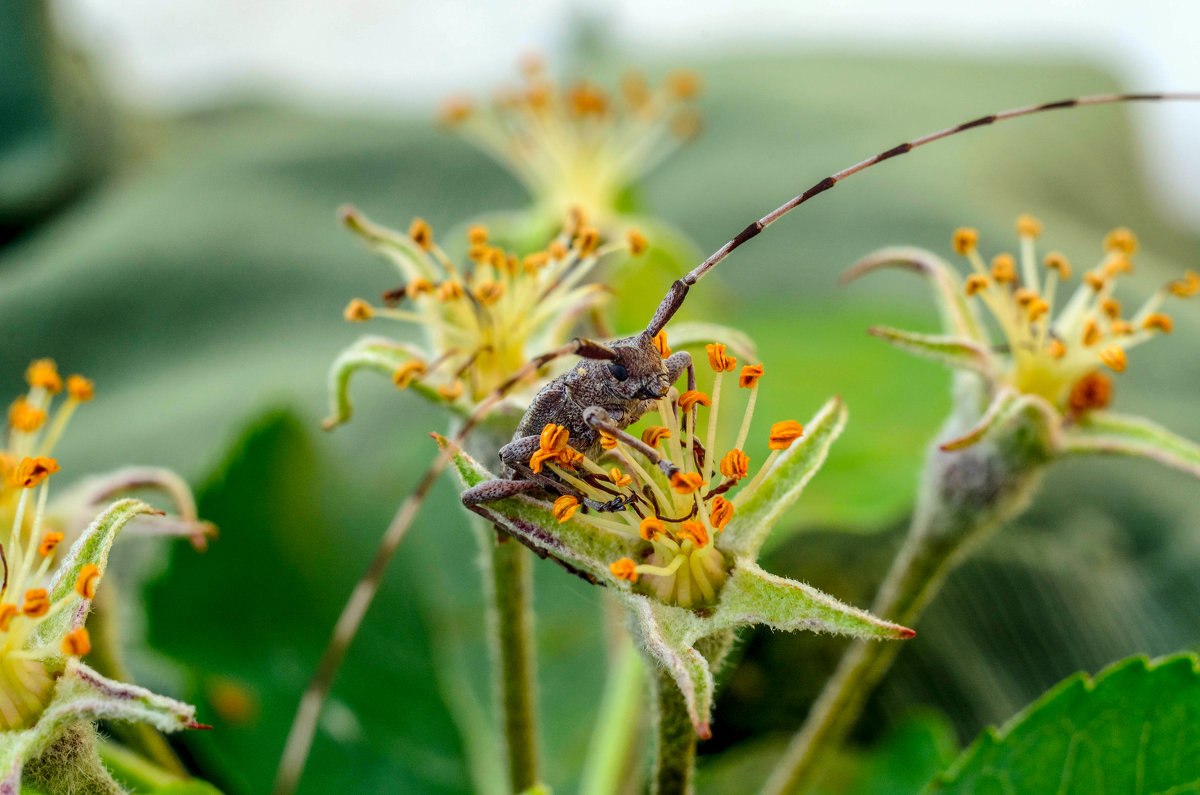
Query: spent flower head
1058	345
579	145
681	550
482	320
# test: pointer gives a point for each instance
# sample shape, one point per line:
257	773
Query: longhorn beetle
616	383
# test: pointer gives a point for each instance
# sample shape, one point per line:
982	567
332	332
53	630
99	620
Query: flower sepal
1110	433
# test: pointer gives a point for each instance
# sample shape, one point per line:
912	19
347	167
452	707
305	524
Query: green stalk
675	752
965	495
512	590
616	725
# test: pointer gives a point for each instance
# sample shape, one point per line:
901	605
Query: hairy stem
512	590
675	752
965	495
616	724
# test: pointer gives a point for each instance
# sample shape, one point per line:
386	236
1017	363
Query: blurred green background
192	266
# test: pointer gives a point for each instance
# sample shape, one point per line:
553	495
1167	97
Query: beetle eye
618	371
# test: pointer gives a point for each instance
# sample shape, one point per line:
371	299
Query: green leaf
1134	728
1118	434
375	354
957	352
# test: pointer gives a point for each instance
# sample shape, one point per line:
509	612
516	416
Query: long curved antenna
674	298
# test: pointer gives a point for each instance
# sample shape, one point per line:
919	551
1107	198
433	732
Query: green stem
616	725
512	589
675	753
965	495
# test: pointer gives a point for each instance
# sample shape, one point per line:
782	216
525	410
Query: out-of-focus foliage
206	284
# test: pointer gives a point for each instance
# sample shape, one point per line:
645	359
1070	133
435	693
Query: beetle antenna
674	298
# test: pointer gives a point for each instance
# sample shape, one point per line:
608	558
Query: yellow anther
1028	226
454	111
48	543
36	603
1056	349
718	360
1057	262
1037	309
1114	358
783	434
406	373
608	441
358	311
496	257
536	261
1118	265
655	434
686	482
7	613
76	643
452	390
1093	391
489	292
619	478
693	397
624	569
32	471
721	512
421	233
750	375
686	125
1094	280
735	465
557	250
1111	308
479	253
418	287
450	290
477	235
683	84
1186	287
1122	240
660	342
1024	296
696	531
1004	269
554	438
588	239
633	86
976	283
512	264
44	373
88	579
587	100
564	508
80	389
24	416
650	528
965	240
638	244
1091	333
1120	328
1157	321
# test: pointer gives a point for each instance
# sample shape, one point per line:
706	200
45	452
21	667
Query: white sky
379	54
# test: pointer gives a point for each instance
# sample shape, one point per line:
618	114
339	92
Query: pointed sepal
1103	432
398	249
958	317
375	354
760	508
957	352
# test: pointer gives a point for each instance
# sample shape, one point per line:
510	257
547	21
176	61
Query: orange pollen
1122	240
735	465
24	417
1057	262
695	531
1004	269
633	86
554	438
406	373
1120	264
421	233
1091	333
44	373
624	569
1028	226
1186	287
1120	328
419	287
1094	280
655	434
1093	391
88	579
7	613
1114	358
477	235
692	397
1159	321
718	360
77	643
965	240
660	342
686	125
450	290
489	292
36	603
80	389
638	244
357	311
49	541
454	111
452	390
557	250
536	261
32	471
608	441
1037	309
1024	296
586	100
650	528
564	508
1111	308
619	478
683	84
784	433
722	512
686	482
1056	349
976	283
589	238
750	375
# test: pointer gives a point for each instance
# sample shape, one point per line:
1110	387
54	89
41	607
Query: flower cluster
484	320
579	145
